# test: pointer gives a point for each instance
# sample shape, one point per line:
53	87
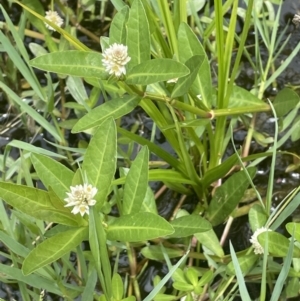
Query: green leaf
117	287
243	98
287	211
156	70
155	253
184	83
138	36
53	173
257	217
100	159
37	203
118	30
188	225
114	108
36	281
190	47
228	196
149	204
136	183
285	101
290	228
219	171
183	286
53	249
246	262
72	62
278	245
31	112
210	240
138	227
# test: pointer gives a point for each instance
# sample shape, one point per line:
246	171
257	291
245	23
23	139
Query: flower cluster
258	249
81	197
115	58
54	17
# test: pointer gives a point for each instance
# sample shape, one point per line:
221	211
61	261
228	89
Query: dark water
285	182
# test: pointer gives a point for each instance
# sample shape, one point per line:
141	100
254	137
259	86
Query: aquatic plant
158	56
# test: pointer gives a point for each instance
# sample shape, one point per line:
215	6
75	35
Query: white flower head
115	58
54	17
81	197
258	249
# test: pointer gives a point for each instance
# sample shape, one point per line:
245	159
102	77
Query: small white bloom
54	17
258	249
172	80
81	197
115	58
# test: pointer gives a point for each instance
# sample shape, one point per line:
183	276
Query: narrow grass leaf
100	159
53	249
136	183
161	284
239	275
281	280
228	196
138	227
53	173
12	273
188	225
114	108
88	292
72	62
13	245
156	70
18	61
246	262
31	112
138	35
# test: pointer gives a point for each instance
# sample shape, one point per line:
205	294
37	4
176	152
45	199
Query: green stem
178	104
241	110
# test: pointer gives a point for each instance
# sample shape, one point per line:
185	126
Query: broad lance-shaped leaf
53	174
100	159
189	225
228	196
138	227
243	98
184	83
138	36
72	62
136	183
118	31
156	70
278	245
291	227
210	240
53	249
114	108
246	262
190	47
38	204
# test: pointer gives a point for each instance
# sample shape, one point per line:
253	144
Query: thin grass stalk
168	24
